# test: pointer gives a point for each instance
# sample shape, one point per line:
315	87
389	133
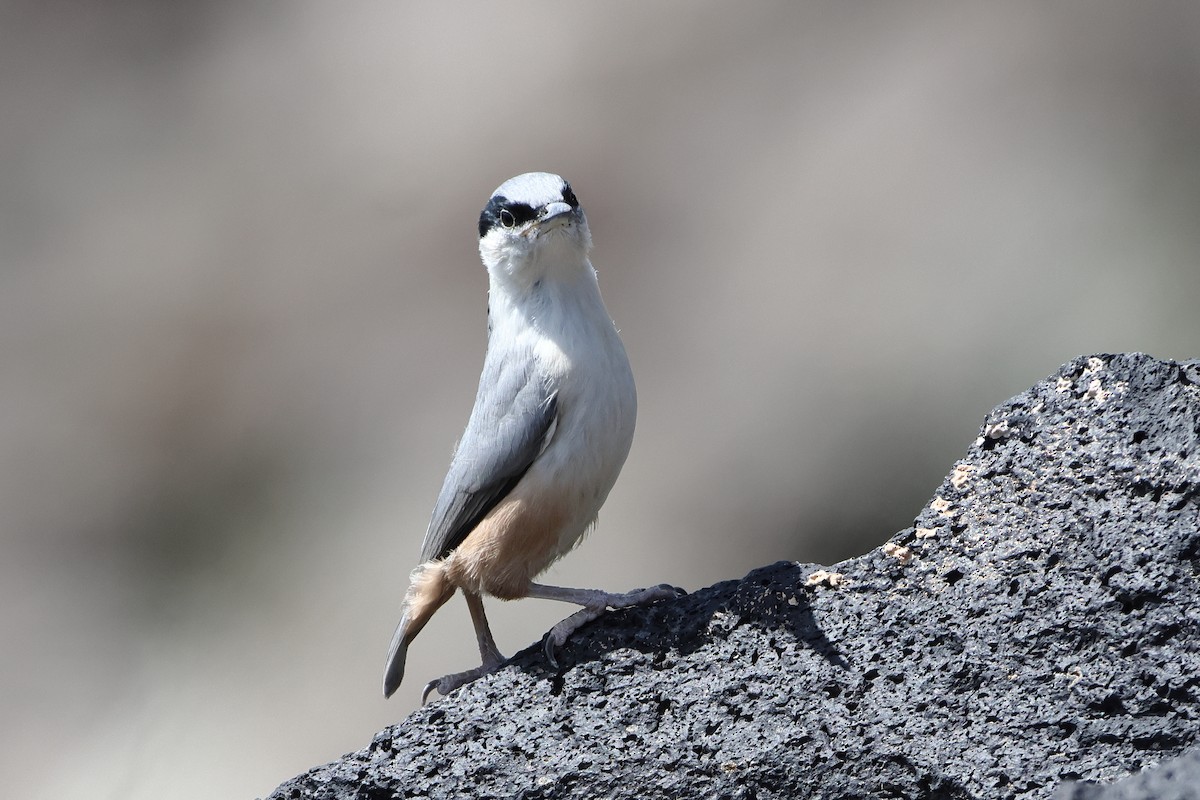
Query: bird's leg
594	602
489	653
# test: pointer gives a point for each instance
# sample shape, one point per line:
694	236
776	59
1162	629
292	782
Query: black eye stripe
514	214
490	216
569	196
504	213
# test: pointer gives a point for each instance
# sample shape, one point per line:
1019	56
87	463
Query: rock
1177	779
1039	623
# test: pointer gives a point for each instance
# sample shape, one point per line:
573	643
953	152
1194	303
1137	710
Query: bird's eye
504	214
568	196
513	215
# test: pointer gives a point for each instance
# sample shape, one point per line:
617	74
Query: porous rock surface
1176	779
1036	629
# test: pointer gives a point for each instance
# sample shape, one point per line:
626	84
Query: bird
551	427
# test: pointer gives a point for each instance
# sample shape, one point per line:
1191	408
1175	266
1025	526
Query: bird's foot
448	683
557	636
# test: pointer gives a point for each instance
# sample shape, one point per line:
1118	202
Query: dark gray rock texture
1176	779
1038	624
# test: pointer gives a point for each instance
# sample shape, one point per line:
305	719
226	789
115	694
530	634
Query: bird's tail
427	593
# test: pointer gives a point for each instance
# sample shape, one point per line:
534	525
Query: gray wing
514	411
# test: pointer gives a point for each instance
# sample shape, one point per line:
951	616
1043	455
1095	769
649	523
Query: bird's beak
555	216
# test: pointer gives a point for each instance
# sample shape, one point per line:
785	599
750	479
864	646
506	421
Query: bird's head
533	227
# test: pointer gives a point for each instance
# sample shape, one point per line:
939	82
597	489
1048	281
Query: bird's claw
550	649
557	636
448	683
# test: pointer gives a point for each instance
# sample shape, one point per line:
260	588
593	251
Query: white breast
573	339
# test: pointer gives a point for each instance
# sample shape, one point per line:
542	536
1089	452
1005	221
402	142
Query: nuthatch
551	427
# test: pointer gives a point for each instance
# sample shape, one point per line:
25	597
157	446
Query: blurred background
242	316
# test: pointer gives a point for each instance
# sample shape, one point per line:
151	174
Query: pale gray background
242	315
